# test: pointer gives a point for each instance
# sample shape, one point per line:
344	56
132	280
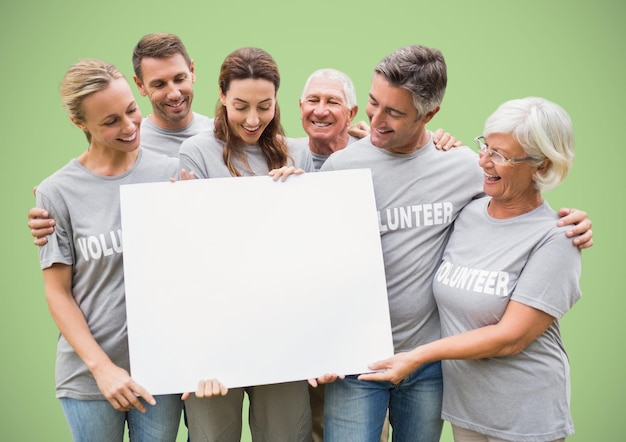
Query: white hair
347	85
543	129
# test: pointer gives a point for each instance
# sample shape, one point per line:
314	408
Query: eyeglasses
497	157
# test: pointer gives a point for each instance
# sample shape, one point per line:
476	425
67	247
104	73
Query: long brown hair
242	64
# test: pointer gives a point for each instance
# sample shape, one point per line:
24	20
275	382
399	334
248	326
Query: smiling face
394	118
324	112
510	185
112	117
250	106
168	84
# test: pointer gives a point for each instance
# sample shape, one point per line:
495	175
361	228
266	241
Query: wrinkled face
324	112
508	182
250	106
168	84
112	117
393	117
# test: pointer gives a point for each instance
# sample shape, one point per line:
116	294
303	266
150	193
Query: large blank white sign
252	281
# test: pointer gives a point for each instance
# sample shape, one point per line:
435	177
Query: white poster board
252	281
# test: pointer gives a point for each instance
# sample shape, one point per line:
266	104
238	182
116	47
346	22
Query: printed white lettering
82	246
96	246
106	250
116	241
392	218
93	245
408	217
428	214
502	286
381	227
475	280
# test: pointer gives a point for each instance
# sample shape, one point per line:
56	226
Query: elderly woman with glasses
507	275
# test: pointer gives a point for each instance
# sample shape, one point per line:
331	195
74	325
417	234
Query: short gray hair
419	70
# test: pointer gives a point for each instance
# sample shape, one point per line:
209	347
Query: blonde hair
82	79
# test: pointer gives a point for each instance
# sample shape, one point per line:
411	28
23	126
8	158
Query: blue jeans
355	410
98	421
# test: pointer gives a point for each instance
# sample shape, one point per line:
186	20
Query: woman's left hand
284	172
395	369
208	388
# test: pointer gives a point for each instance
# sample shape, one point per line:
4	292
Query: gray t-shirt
488	262
168	141
202	154
418	197
88	237
318	159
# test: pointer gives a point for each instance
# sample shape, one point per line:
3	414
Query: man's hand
359	130
581	227
40	225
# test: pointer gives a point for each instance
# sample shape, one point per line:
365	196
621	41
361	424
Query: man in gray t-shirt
327	107
165	74
328	104
168	141
419	192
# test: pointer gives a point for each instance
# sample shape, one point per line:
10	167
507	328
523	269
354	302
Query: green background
571	52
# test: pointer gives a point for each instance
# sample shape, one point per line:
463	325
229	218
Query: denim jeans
355	410
98	421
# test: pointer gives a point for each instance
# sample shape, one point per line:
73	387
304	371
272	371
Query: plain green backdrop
571	52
